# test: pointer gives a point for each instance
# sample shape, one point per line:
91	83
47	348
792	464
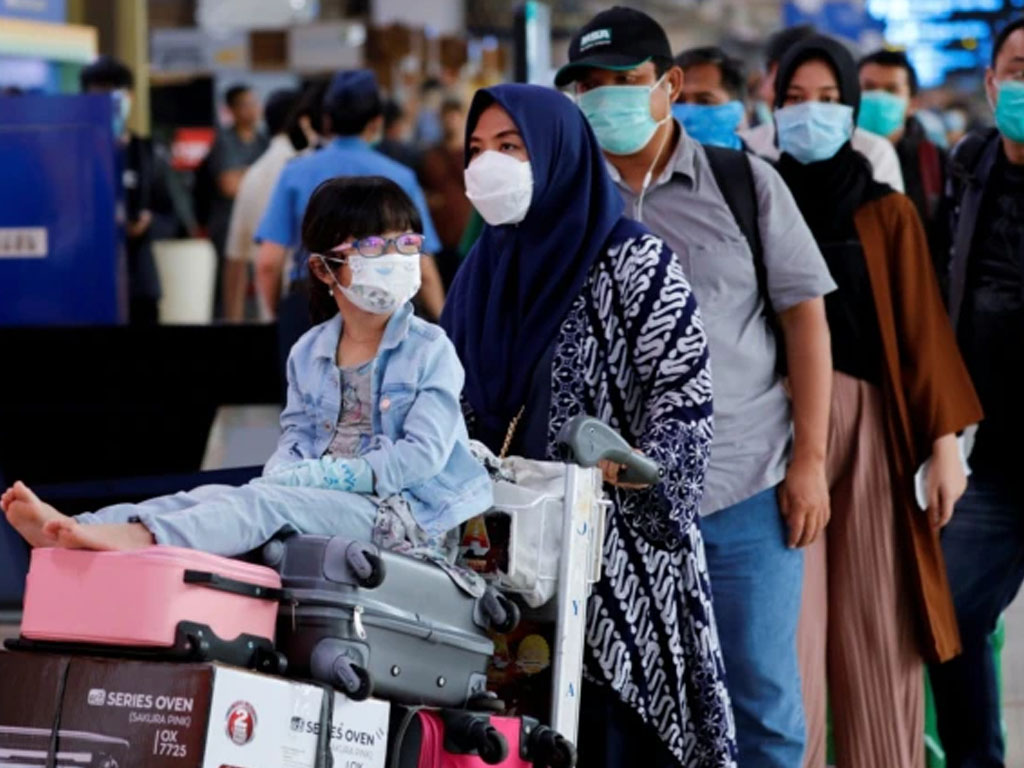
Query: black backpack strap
735	177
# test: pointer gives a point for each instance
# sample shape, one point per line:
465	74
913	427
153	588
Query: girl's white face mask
500	187
380	284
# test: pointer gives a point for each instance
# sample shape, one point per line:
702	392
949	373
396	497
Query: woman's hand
946	480
804	501
611	471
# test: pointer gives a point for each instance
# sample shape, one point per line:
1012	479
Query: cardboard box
109	713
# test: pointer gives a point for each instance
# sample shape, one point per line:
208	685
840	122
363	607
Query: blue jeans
229	521
756	583
984	550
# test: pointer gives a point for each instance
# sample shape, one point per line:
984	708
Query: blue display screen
943	37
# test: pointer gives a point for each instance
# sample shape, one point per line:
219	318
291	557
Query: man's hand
228	182
138	227
804	501
946	482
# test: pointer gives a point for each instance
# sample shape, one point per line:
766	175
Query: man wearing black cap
749	256
353	117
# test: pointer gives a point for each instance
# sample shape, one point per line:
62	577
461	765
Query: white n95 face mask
500	187
381	284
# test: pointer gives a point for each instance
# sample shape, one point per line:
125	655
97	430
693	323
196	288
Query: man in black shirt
135	165
984	543
889	83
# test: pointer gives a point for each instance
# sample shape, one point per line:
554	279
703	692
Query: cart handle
591	441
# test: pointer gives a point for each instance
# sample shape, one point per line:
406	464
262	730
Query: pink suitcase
158	601
448	738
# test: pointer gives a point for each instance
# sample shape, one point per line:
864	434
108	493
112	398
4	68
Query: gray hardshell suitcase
367	621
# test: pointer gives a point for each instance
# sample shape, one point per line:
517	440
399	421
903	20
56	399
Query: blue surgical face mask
621	116
714	124
813	131
881	112
1010	110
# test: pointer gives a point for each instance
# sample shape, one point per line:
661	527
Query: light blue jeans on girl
226	520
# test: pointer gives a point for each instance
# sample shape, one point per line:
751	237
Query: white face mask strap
649	176
334	279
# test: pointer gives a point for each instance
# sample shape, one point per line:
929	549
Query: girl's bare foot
29	515
125	536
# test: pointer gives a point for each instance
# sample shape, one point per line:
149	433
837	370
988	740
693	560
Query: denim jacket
420	447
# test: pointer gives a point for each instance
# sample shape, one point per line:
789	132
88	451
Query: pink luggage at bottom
158	601
461	739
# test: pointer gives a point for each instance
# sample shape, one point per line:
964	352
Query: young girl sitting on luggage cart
374	446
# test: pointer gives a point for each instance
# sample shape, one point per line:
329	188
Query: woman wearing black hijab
875	593
565	306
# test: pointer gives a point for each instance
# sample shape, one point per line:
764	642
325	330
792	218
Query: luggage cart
580	568
569	508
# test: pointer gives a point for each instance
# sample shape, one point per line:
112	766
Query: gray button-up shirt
684	206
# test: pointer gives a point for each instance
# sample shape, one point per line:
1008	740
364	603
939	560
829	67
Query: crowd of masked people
812	321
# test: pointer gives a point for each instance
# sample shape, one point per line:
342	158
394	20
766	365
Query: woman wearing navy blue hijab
563	307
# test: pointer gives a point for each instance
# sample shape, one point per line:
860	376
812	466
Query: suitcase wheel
468	733
501	612
547	748
270	662
492	746
366	565
273	553
353	680
282	663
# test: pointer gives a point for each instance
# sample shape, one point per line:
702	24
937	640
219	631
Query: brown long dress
876	601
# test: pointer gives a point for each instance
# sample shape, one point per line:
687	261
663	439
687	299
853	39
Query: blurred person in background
984	545
888	108
305	129
441	174
250	202
711	106
765	496
234	150
881	155
876	601
429	129
957	118
934	124
397	142
135	159
353	121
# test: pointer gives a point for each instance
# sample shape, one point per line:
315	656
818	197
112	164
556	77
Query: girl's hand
611	471
946	481
353	475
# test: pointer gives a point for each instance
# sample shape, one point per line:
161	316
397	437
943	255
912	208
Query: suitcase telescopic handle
591	441
233	586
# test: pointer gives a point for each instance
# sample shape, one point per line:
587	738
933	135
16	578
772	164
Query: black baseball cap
619	38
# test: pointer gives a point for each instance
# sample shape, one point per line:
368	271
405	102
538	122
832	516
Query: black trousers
611	735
